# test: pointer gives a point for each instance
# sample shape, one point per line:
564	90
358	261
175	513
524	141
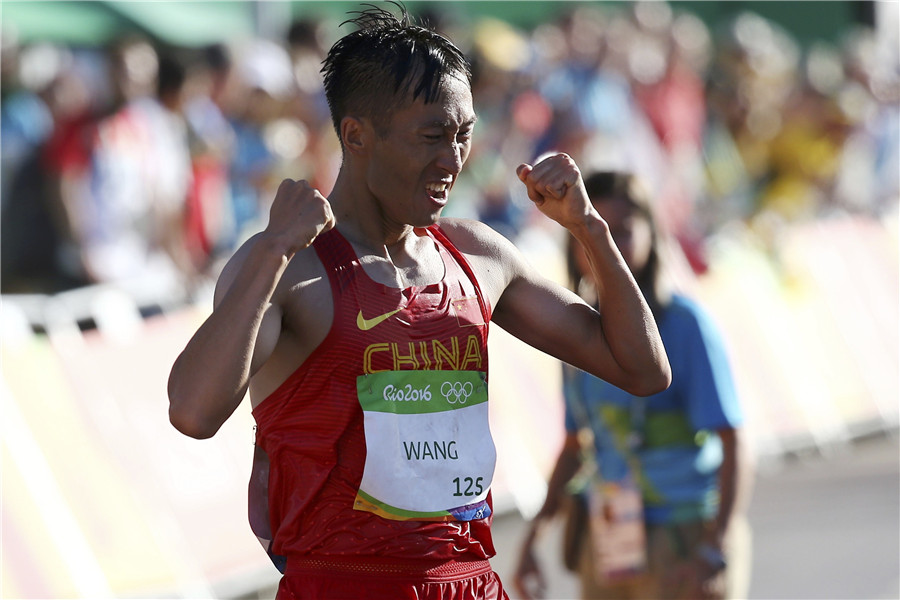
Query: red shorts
388	579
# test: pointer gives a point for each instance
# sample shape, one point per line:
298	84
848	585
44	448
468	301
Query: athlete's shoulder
474	237
495	260
303	265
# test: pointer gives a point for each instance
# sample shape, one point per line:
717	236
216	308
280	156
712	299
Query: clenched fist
298	215
555	186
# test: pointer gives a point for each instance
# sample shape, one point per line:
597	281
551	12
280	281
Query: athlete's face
420	154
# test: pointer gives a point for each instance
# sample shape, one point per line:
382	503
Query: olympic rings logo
456	391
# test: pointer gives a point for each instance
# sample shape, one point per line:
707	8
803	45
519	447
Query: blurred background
142	142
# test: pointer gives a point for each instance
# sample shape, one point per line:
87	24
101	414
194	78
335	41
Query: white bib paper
430	455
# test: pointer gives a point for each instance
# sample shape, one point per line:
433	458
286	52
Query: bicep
555	320
269	329
538	311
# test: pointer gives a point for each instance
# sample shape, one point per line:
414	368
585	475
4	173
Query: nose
452	157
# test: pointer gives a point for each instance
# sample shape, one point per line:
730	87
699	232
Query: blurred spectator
209	221
511	118
304	138
263	83
41	212
667	59
29	239
306	52
596	116
667	65
752	77
103	181
131	228
25	118
656	481
868	177
803	155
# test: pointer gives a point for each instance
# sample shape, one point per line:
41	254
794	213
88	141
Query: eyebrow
446	123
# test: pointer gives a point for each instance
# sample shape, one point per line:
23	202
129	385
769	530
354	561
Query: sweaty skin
273	302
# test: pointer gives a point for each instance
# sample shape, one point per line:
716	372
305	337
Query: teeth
436	187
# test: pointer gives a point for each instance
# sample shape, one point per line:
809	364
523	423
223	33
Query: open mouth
438	190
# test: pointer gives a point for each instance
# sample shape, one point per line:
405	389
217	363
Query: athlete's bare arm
242	335
621	343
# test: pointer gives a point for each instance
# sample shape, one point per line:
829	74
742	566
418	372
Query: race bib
430	455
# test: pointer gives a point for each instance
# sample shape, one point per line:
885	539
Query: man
359	325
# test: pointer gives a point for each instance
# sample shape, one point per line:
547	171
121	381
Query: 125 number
467	486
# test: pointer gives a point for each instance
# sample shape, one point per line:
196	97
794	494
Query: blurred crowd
143	162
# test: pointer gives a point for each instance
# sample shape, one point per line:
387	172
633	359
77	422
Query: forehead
453	107
615	206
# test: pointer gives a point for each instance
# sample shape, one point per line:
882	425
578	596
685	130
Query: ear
356	134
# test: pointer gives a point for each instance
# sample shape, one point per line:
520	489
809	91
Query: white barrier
103	498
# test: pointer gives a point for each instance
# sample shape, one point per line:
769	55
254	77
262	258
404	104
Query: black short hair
387	61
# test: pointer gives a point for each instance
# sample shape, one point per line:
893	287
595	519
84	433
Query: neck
360	217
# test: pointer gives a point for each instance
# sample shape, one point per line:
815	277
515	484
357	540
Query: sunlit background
143	141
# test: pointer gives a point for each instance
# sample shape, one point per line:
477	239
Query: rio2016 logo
456	391
406	394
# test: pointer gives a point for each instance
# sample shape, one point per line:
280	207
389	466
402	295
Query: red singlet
313	429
